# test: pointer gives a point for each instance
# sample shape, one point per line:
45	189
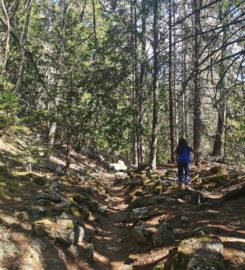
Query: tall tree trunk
197	88
141	146
217	147
59	81
23	42
171	103
153	156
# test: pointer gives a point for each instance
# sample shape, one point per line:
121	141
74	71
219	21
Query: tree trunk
141	146
153	156
23	42
197	88
171	103
221	88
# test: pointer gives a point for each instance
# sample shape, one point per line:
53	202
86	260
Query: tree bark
197	123
171	103
153	156
217	147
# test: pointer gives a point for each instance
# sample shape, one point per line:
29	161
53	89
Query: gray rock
198	253
52	196
43	202
37	211
89	252
140	213
163	236
138	233
204	260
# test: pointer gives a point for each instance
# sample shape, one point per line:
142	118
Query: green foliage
8	107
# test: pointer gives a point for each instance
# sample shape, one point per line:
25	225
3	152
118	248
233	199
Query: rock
32	258
198	253
79	235
22	216
140	213
119	166
203	260
146	200
64	234
37	212
43	202
184	219
138	234
9	252
62	230
43	227
51	196
195	197
89	250
163	236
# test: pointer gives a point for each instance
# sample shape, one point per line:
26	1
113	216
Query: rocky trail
95	219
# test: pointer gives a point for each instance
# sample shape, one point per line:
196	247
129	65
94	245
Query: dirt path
111	245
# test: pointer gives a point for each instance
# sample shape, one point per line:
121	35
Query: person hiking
183	159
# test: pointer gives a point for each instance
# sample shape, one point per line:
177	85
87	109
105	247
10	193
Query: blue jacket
185	154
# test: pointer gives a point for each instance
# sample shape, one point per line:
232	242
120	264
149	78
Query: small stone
184	219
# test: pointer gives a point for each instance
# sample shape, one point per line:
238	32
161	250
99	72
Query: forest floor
106	201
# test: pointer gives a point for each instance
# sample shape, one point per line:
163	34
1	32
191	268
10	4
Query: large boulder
62	230
202	253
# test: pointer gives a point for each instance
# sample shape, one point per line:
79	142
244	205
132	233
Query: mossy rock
23	216
202	252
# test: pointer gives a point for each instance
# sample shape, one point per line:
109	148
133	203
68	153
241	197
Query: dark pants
183	166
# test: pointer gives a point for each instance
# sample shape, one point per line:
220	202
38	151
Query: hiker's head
182	143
